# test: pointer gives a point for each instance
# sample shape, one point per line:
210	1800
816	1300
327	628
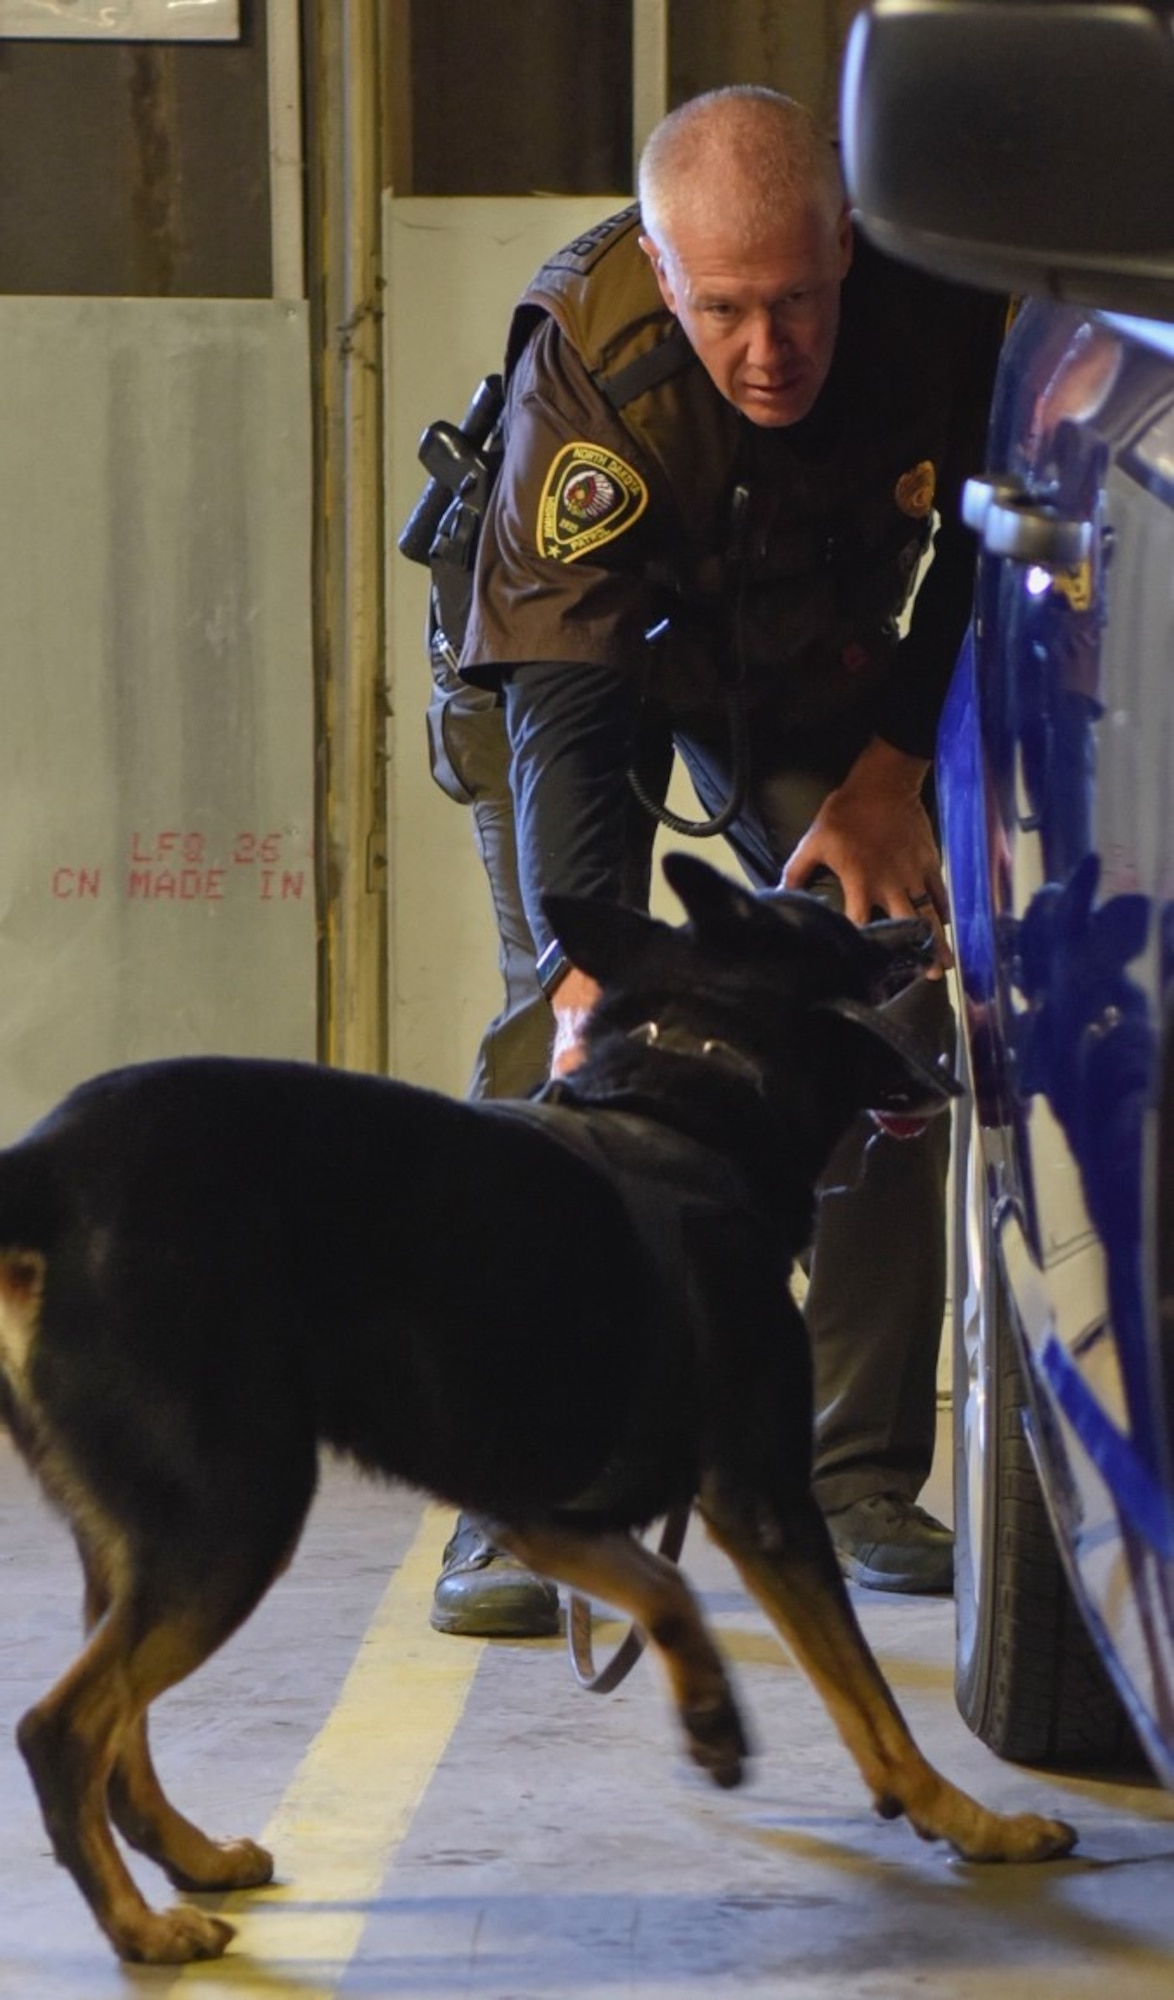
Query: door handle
978	495
1035	533
1013	523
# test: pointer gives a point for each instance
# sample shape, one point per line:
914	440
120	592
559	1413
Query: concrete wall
156	759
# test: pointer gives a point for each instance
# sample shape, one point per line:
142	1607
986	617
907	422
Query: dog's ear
836	954
606	940
712	900
896	1076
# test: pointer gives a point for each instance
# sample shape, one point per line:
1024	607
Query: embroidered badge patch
915	490
1075	585
590	496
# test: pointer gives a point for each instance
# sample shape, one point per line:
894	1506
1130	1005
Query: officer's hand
874	835
572	1001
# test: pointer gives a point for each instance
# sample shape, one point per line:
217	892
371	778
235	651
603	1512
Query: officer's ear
844	240
659	264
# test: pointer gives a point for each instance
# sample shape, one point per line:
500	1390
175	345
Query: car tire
1028	1679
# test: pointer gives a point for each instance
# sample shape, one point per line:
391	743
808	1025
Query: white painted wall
156	756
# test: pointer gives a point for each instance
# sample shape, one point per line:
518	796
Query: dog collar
679	1042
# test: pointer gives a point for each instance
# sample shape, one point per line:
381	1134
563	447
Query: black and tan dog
210	1269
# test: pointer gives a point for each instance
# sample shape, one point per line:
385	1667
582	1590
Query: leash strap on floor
580	1645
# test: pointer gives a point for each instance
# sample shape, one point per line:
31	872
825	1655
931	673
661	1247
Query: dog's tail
31	1215
32	1207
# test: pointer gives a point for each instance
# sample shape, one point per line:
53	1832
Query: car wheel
1028	1680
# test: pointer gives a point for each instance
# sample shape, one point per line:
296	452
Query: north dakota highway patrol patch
590	496
915	489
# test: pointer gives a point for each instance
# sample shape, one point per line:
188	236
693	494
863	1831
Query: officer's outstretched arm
874	834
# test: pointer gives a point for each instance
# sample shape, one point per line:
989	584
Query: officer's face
763	321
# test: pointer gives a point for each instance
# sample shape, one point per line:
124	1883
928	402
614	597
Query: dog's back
268	1255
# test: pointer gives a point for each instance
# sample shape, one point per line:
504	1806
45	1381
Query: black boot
886	1542
483	1593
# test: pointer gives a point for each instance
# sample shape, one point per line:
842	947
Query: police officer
731	427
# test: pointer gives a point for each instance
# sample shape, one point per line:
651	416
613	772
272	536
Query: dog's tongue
899	1124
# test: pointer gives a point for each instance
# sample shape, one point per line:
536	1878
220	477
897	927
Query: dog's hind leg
84	1744
70	1741
790	1566
148	1822
622	1572
138	1805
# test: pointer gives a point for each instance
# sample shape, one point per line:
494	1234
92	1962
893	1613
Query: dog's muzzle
911	949
926	1086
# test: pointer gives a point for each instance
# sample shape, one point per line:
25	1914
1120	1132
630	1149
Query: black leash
727	814
602	1680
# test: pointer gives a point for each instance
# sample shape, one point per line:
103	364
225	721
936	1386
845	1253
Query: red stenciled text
182	865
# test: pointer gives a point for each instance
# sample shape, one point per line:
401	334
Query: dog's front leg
622	1572
788	1562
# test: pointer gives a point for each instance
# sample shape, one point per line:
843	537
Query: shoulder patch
915	490
589	497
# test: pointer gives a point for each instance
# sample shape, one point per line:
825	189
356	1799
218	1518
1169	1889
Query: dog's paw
717	1741
1021	1837
248	1865
937	1810
175	1937
976	1834
226	1864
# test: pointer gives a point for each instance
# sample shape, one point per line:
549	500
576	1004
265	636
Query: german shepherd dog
211	1268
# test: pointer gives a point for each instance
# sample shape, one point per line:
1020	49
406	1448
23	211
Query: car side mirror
1021	145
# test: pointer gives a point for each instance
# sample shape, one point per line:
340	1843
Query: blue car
1028	146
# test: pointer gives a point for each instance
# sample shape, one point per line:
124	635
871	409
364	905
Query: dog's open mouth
899	1124
919	1085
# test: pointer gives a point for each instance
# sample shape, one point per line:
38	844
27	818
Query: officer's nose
768	342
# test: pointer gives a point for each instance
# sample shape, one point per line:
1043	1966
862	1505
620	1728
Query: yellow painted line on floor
352	1800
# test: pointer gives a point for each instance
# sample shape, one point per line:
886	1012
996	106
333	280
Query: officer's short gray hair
739	160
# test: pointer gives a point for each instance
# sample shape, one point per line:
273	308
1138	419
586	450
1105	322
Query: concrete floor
453	1819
